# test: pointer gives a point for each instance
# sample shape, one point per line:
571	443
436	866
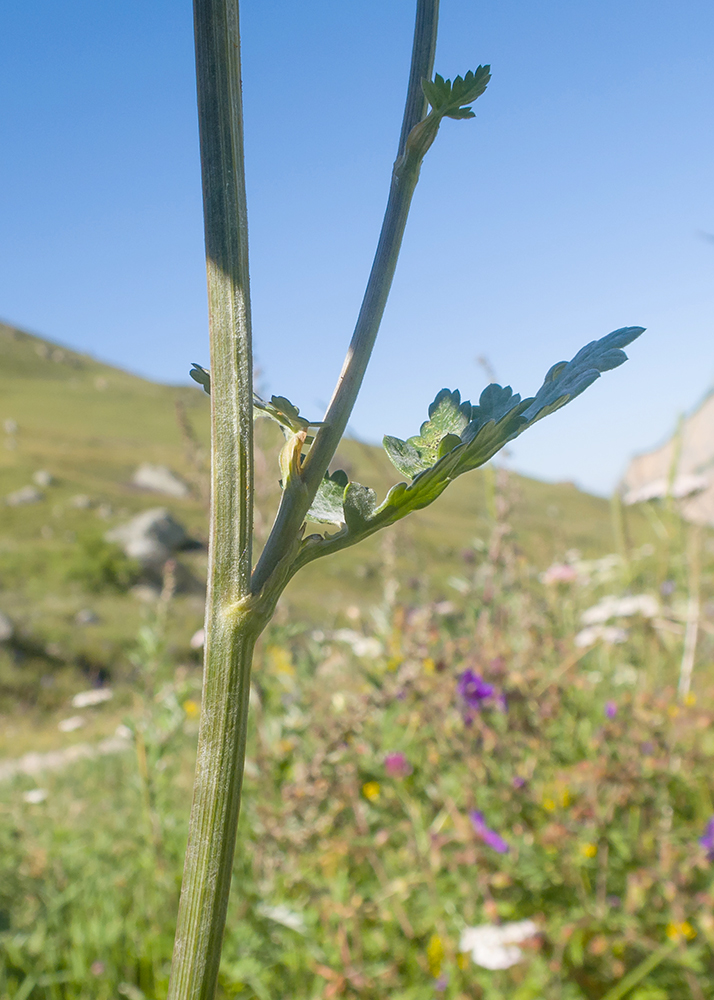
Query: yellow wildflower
683	930
588	850
690	699
191	708
549	804
371	790
429	665
435	955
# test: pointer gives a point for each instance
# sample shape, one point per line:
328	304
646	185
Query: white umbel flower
495	946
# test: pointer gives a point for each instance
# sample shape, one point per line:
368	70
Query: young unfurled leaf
327	507
202	376
448	99
279	408
283	412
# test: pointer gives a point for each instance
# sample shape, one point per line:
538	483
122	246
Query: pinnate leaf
448	98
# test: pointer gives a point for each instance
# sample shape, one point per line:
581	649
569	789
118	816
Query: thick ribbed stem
231	625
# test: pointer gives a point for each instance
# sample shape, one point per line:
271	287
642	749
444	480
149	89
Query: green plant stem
232	625
300	492
640	972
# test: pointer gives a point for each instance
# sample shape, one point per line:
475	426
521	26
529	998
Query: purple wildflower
441	983
610	709
518	781
489	837
707	841
473	689
396	765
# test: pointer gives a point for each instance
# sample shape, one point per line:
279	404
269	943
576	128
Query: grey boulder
159	479
150	537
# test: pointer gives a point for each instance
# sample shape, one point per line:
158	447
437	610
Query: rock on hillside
683	467
159	479
151	537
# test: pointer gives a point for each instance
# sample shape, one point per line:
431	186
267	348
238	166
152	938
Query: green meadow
437	742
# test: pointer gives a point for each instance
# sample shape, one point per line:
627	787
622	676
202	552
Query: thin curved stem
299	495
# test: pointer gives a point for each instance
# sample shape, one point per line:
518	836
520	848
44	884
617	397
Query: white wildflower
620	607
281	914
69	725
35	796
362	645
600	633
625	674
197	639
85	699
495	946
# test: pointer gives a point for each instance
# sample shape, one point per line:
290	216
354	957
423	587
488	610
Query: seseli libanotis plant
457	437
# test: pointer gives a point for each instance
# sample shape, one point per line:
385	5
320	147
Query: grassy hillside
89	425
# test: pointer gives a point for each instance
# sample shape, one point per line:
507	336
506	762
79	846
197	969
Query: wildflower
623	607
489	837
494	946
588	850
97	968
473	689
96	696
518	781
435	955
69	725
191	708
371	790
610	709
396	765
607	633
690	699
559	573
428	666
362	645
549	805
441	983
681	930
707	841
35	796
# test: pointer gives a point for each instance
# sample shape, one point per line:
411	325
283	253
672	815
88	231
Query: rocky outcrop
683	468
159	479
151	537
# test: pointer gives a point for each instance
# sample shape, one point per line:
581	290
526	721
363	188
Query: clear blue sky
572	205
